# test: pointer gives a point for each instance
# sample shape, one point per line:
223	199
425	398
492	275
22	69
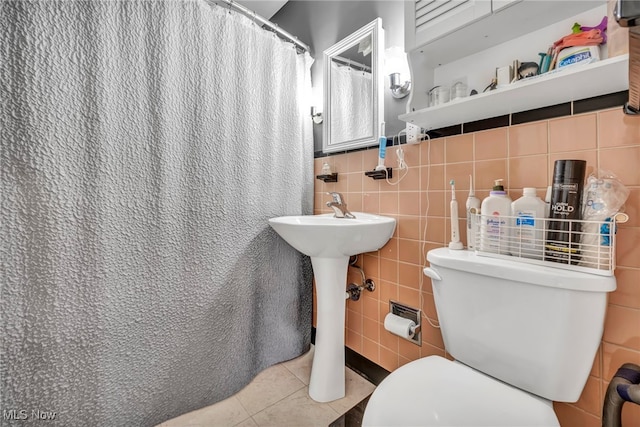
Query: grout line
627	308
245	420
281	400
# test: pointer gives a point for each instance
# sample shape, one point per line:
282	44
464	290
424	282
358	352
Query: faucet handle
339	206
337	197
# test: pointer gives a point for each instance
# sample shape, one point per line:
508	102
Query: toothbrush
382	150
473	203
455	242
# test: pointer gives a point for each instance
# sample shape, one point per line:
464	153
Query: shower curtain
351	115
144	146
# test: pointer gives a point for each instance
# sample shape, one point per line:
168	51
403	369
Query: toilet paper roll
399	325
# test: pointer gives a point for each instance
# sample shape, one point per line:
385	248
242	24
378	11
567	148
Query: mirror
353	85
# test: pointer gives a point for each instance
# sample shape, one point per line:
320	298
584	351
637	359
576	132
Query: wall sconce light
316	115
397	68
398	88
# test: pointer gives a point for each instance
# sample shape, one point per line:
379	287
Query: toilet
521	336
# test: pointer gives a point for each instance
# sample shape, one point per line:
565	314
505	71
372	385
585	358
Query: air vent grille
430	11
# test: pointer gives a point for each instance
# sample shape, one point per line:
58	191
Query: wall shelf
571	84
331	177
380	174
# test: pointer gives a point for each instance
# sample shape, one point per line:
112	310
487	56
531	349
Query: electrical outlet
413	133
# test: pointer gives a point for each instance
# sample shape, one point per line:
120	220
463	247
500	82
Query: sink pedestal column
327	381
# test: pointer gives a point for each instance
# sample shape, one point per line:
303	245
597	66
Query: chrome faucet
339	206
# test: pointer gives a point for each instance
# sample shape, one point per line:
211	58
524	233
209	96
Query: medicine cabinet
353	90
468	39
428	20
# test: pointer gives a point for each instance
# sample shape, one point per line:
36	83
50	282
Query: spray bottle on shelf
494	225
473	208
563	237
455	242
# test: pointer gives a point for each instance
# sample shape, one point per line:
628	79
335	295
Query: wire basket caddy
578	245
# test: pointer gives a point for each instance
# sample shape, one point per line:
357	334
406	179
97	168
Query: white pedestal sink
330	241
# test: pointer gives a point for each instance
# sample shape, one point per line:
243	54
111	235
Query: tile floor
278	397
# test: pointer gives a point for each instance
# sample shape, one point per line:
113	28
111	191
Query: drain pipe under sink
624	387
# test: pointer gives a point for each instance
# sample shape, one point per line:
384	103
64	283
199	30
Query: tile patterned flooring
278	397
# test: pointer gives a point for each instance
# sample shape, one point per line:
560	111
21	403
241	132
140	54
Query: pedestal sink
330	241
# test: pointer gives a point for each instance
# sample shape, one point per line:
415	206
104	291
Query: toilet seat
434	391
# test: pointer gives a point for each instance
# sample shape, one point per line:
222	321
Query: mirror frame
374	29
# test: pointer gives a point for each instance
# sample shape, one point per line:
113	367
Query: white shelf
572	84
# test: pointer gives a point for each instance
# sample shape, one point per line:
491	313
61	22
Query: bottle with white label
494	225
528	214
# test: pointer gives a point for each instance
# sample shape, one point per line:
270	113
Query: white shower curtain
351	115
144	145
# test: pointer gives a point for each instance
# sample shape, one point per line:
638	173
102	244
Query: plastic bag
604	197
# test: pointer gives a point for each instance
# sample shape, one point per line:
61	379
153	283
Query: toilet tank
535	327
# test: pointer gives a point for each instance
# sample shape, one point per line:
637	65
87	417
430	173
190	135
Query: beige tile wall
523	155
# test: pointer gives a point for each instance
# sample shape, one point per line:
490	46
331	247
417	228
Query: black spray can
563	237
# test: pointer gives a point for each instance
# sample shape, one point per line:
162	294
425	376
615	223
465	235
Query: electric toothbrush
473	208
455	242
382	150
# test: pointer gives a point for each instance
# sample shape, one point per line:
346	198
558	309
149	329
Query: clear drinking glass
458	90
438	95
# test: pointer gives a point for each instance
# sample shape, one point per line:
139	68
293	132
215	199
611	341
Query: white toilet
521	335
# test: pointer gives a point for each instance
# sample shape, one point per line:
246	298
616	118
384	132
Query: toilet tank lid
520	272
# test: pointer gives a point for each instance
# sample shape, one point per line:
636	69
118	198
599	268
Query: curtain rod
350	62
272	26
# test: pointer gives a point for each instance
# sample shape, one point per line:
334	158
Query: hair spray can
563	236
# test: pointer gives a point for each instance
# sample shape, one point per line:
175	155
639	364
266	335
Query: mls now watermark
23	414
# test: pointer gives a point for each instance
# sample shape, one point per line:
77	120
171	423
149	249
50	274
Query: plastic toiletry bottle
494	225
472	203
528	214
326	169
563	235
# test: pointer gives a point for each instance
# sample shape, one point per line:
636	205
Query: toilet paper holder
412	314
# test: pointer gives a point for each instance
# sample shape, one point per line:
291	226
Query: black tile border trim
353	417
543	113
600	102
367	369
391	141
616	99
486	124
446	131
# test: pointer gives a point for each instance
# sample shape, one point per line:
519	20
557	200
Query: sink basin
330	237
330	241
